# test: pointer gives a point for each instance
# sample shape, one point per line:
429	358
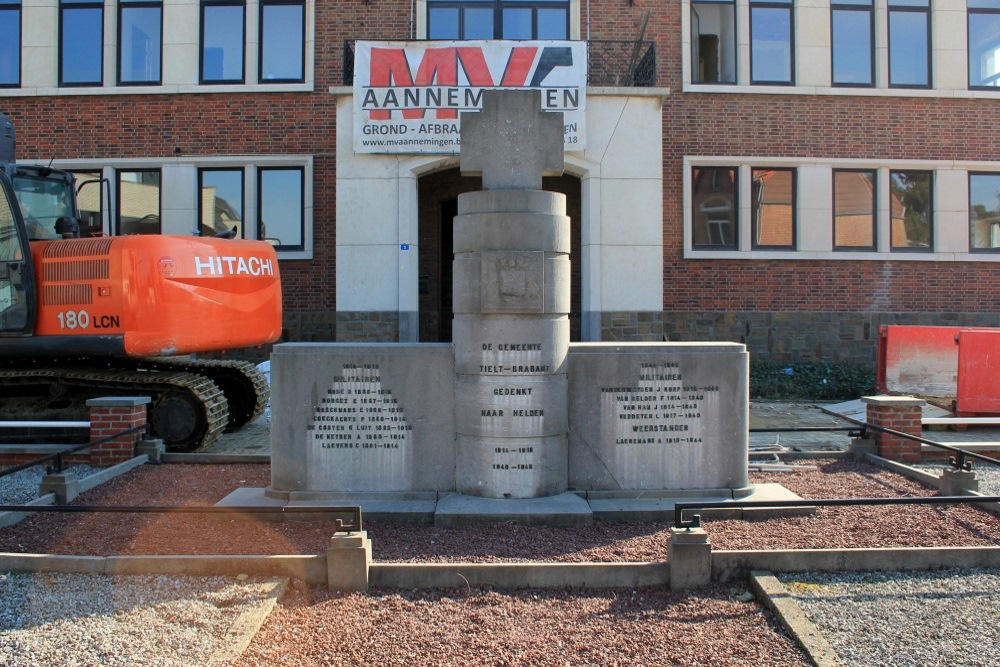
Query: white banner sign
408	96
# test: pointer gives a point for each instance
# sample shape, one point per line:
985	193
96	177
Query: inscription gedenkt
661	409
358	413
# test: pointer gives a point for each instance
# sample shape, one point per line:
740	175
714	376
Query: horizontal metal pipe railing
695	520
57	457
353	511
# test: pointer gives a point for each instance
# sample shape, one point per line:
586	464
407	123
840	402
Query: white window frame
814	209
813	55
180	54
179	193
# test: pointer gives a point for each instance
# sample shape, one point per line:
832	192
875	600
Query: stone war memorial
511	422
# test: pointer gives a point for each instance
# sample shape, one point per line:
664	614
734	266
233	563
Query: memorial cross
511	142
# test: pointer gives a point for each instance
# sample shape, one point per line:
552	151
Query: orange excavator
125	315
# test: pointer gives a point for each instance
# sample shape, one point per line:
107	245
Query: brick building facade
739	89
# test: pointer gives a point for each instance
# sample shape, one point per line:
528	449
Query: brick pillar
899	413
109	416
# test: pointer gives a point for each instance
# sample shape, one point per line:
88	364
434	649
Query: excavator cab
17	281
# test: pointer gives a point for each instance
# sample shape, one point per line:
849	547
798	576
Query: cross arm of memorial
511	142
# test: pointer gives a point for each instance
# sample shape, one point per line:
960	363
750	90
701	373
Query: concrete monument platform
566	509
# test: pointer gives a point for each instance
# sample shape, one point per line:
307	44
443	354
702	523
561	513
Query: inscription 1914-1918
359	413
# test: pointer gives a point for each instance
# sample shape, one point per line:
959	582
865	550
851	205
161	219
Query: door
17	281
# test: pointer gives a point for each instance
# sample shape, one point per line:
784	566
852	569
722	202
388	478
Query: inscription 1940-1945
359	413
661	409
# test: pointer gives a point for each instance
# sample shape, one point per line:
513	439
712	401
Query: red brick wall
693	124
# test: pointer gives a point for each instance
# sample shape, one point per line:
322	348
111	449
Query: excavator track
187	410
246	388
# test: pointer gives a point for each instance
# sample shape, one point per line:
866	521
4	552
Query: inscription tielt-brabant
358	413
512	359
660	410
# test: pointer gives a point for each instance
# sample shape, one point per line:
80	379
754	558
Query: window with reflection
984	43
282	41
713	41
771	42
497	19
10	43
911	208
10	241
909	43
281	207
853	37
772	208
220	202
714	212
140	41
138	201
984	211
81	43
223	35
90	198
854	210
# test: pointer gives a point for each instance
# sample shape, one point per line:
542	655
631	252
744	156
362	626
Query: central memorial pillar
511	303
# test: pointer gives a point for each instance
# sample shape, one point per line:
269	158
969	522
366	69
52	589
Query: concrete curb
88	483
8	519
773	595
726	566
518	575
246	627
925	477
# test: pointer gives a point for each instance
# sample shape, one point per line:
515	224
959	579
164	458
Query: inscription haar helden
359	417
665	409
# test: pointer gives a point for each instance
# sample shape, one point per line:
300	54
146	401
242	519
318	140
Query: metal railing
626	63
352	513
695	520
58	456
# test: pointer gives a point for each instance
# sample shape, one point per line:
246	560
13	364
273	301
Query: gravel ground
78	619
843	527
478	626
485	627
22	486
911	619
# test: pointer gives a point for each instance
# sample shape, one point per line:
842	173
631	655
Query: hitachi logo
233	266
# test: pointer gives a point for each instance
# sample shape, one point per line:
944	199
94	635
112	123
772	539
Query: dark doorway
438	204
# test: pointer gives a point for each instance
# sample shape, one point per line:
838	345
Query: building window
909	43
911	208
220	204
984	43
715	215
282	41
223	34
10	43
852	39
772	208
138	201
90	199
497	19
771	43
984	211
81	43
139	41
854	210
713	41
281	207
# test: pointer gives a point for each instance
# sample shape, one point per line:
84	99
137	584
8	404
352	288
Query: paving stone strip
82	619
942	617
